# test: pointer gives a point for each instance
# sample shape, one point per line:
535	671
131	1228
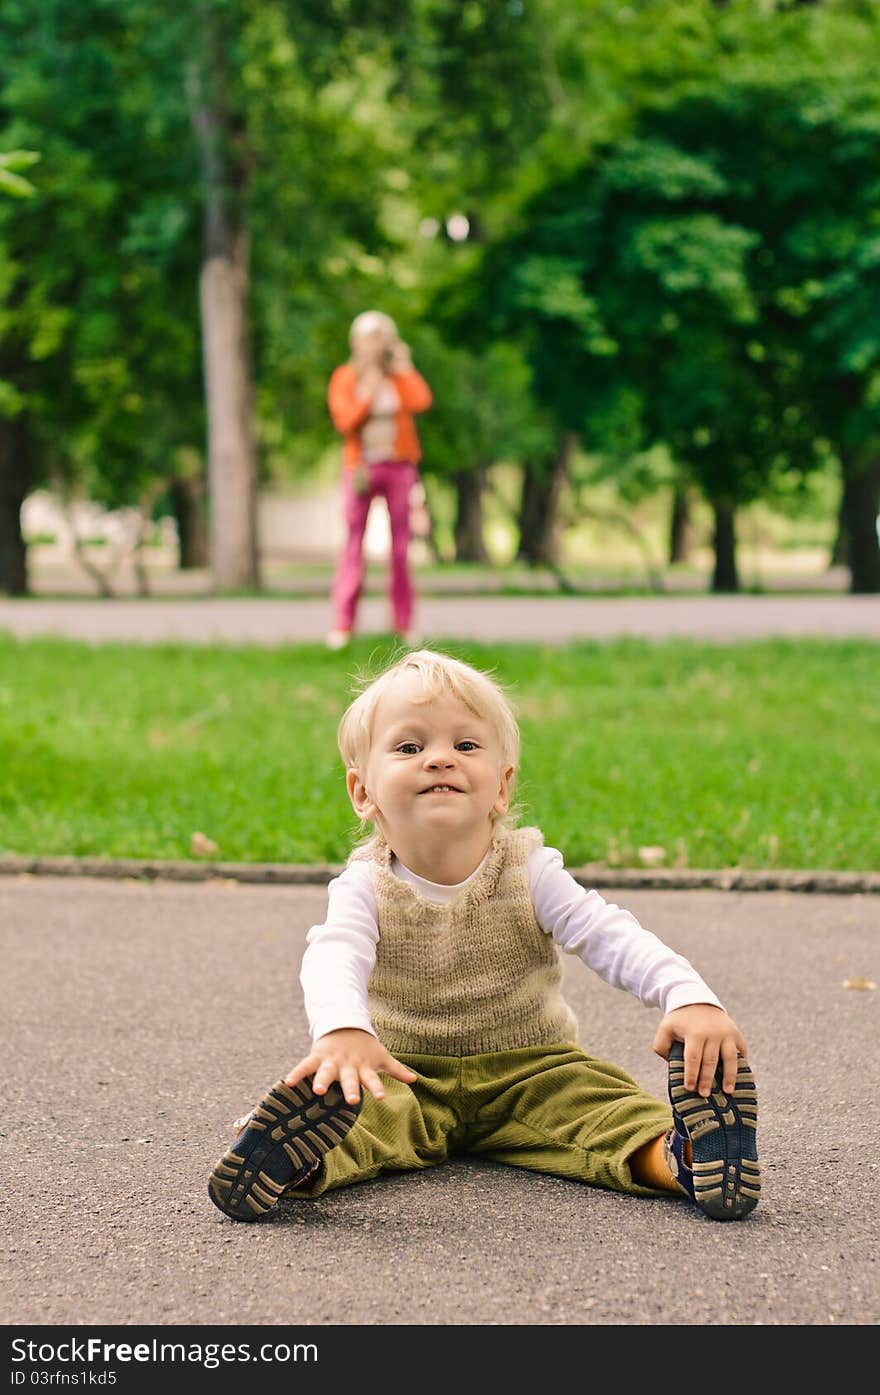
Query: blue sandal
723	1177
281	1146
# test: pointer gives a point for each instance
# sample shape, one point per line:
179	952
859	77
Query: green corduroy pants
552	1109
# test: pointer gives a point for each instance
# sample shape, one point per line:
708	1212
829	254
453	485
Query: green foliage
484	409
673	213
99	316
709	280
11	181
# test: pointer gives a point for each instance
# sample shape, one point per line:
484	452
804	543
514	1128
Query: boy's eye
409	748
466	746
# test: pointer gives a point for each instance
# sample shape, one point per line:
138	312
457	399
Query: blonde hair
370	320
439	674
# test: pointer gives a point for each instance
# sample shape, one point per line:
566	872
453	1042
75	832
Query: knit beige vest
476	974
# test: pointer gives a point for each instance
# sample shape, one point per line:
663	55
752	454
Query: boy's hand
352	1057
707	1033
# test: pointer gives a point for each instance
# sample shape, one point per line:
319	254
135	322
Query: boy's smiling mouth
441	789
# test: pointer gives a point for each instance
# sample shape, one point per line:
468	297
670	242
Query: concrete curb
318	874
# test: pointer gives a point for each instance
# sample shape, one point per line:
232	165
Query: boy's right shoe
282	1144
721	1175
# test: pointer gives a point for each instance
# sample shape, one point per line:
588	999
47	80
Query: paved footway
141	1018
553	620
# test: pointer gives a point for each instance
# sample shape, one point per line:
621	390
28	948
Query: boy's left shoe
723	1177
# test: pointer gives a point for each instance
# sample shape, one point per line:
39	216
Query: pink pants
392	480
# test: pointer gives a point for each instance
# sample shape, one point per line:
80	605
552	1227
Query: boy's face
434	768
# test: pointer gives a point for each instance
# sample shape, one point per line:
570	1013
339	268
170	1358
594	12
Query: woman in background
373	399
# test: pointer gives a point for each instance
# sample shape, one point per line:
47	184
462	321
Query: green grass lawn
754	755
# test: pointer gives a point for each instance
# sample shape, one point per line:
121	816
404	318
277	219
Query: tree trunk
470	545
530	511
861	503
680	532
15	473
840	549
539	506
188	506
223	291
725	576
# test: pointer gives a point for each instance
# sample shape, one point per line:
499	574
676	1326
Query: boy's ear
357	793
502	803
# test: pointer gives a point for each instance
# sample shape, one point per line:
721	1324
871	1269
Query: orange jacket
349	412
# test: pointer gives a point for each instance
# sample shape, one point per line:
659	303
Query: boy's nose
435	758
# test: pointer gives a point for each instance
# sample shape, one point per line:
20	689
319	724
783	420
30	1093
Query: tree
101	333
224	294
586	84
713	276
484	411
99	382
14	471
798	153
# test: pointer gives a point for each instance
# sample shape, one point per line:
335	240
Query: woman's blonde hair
370	320
439	674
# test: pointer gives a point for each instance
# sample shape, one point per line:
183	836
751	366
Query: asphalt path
551	620
141	1017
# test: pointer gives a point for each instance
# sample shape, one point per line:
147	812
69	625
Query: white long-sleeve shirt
341	951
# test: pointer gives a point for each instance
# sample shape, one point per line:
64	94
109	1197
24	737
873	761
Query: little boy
438	967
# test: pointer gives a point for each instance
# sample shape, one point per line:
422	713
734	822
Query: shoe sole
723	1135
287	1134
